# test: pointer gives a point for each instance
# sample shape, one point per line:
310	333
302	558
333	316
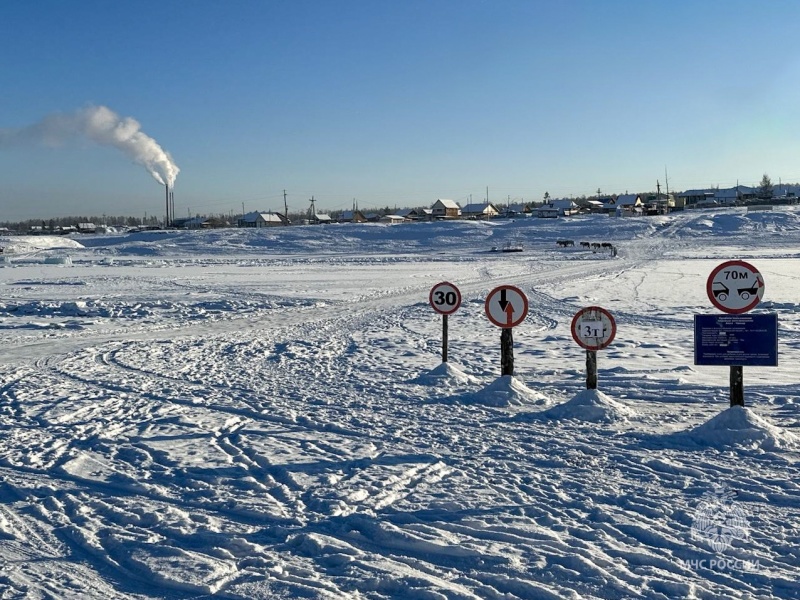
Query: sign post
593	328
445	298
734	287
737	385
506	306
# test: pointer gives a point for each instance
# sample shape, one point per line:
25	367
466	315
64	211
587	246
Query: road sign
735	287
740	340
506	306
445	298
593	328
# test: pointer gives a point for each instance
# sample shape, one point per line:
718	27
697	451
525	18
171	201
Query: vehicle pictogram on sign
735	287
506	306
593	328
445	298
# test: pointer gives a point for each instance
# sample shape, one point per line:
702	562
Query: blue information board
736	340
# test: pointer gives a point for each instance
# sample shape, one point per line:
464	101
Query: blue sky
397	103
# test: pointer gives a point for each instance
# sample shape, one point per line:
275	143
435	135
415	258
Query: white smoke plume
103	126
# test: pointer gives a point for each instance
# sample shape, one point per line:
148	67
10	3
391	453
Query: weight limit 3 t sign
593	328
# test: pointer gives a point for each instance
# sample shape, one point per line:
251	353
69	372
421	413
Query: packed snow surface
265	413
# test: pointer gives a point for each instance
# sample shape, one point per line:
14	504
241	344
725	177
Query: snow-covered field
265	414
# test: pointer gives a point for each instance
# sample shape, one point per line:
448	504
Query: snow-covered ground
265	414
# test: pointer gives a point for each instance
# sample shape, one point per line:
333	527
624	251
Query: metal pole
591	369
444	338
737	386
507	352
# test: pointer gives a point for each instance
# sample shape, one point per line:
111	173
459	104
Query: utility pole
285	208
311	210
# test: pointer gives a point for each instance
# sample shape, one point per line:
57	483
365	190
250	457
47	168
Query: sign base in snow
736	340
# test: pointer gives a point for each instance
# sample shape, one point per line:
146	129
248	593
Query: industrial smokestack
167	220
103	126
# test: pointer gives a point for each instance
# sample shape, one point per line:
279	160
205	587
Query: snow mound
171	567
740	427
507	391
593	406
445	374
58	260
32	243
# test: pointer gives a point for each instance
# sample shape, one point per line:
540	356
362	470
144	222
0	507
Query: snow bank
740	427
506	391
593	406
58	260
445	375
32	243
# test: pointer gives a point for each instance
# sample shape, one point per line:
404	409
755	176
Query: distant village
617	205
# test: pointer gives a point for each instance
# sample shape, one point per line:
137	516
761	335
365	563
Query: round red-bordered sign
506	306
735	287
593	328
445	298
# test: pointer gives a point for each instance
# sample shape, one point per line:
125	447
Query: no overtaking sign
506	306
735	287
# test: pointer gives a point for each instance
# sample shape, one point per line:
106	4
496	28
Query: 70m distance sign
735	287
445	298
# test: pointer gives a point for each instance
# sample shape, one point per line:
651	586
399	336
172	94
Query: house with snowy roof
512	211
262	219
415	214
352	216
735	195
484	210
445	209
565	206
557	208
320	219
625	205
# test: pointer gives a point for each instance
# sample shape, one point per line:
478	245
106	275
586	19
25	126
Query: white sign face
735	287
593	328
445	298
506	306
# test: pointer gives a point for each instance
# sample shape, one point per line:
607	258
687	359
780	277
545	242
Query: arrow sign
510	316
506	306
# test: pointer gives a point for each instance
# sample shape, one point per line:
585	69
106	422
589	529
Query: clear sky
395	102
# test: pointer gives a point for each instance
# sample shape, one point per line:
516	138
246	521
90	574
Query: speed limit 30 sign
445	298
